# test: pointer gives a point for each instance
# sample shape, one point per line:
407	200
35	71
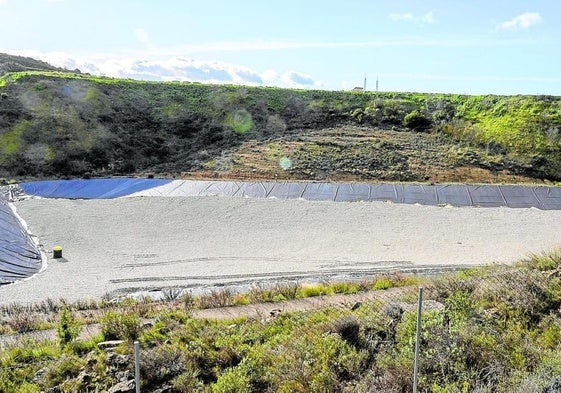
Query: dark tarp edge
20	257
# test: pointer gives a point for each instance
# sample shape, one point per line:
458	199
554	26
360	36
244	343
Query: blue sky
468	47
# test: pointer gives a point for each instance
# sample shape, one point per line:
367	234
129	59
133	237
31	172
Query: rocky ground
351	153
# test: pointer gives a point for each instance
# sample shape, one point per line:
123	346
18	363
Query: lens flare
285	163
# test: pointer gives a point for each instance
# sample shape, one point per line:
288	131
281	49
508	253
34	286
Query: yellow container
57	252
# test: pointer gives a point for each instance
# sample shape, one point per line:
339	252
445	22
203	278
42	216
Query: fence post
137	366
417	340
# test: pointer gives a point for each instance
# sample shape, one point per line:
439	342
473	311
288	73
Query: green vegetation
488	329
68	329
55	123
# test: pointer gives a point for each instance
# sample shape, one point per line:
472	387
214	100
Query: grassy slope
63	124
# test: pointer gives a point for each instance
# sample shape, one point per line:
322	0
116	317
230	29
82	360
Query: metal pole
136	367
417	340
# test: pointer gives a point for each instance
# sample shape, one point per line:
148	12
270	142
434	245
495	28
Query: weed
311	290
68	329
222	298
120	326
382	283
497	329
24	322
345	287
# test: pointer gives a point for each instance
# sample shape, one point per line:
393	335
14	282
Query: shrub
232	381
160	365
23	322
68	329
62	370
188	381
416	120
239	121
348	327
345	287
382	283
215	299
120	326
275	125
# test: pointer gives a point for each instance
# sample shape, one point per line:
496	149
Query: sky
438	46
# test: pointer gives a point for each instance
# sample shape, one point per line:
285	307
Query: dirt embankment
355	154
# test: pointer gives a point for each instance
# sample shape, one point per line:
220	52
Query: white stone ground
131	244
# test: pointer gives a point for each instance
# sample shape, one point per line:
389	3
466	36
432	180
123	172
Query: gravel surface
117	246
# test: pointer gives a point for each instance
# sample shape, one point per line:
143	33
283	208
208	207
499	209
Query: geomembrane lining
19	255
90	188
541	197
515	196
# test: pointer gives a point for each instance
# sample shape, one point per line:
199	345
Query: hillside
10	63
61	124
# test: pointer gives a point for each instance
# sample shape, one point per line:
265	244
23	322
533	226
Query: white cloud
427	18
142	36
298	79
522	21
2	2
171	69
269	76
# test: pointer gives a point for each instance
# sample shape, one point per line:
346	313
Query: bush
62	370
120	326
216	299
160	365
348	328
382	283
232	381
239	121
312	290
416	121
24	322
68	330
188	381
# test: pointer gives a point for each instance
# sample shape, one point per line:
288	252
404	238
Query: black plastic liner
541	197
20	258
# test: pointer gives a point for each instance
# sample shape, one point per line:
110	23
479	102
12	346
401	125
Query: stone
123	387
356	306
122	376
114	359
554	385
38	375
84	378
